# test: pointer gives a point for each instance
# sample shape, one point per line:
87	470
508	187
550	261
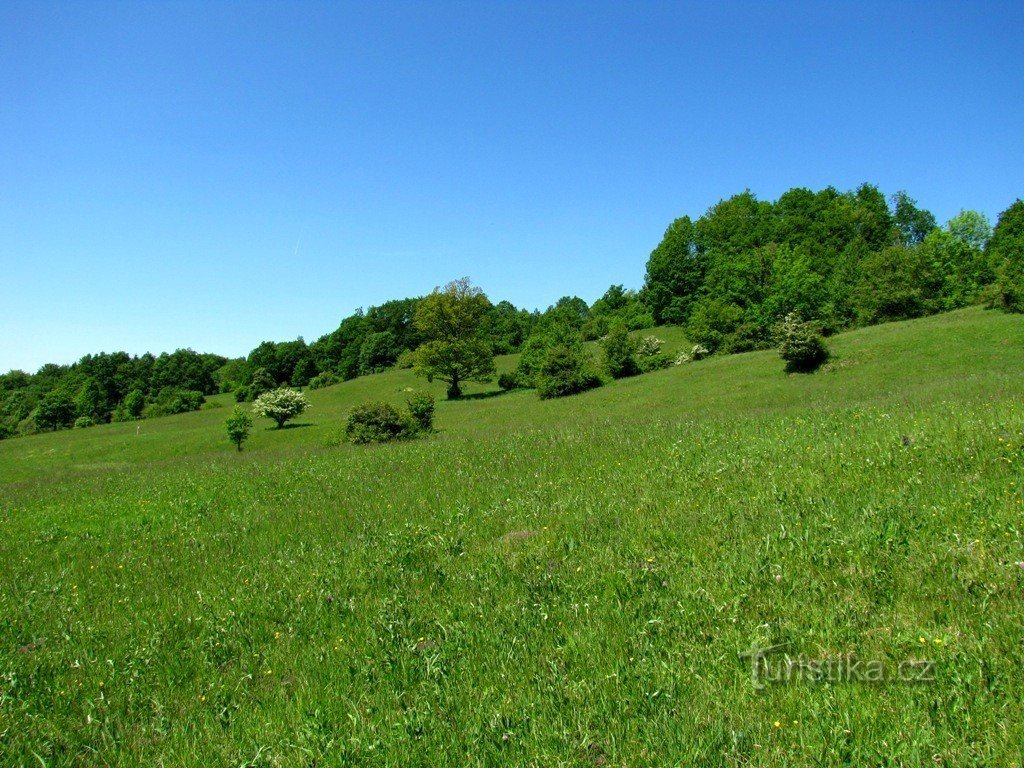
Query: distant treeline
842	259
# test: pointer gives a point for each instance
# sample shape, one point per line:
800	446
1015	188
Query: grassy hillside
541	583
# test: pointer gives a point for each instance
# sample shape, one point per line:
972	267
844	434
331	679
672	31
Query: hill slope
546	583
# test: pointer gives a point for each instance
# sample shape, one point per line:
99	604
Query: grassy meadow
539	583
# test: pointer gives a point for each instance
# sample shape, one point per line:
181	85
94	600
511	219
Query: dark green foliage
170	400
566	370
618	351
55	411
262	381
713	320
618	305
185	370
325	379
131	407
421	409
507	327
840	259
243	395
1005	252
914	223
675	272
238	425
91	402
510	381
304	371
895	285
801	345
283	362
377	353
378	422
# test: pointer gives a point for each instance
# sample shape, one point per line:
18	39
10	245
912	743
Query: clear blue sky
215	174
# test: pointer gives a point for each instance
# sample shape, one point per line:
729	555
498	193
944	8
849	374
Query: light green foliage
421	407
378	422
280	405
325	379
238	425
450	320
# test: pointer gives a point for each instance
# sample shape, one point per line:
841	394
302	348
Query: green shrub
238	425
243	395
801	345
510	381
169	401
653	362
84	421
618	350
325	379
649	346
421	409
378	422
566	371
280	405
649	356
406	359
699	352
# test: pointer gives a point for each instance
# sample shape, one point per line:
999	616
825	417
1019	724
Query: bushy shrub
649	356
421	408
649	346
566	371
169	401
325	379
801	345
280	405
510	381
29	425
406	359
378	422
243	395
83	421
653	362
699	352
618	350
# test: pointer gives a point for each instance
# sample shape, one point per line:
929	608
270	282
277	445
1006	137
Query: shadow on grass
290	426
485	395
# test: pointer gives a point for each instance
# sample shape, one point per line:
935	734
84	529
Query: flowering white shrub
280	405
649	346
699	352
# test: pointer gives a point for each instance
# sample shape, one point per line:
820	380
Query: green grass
540	583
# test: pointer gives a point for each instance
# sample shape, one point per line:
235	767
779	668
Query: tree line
730	277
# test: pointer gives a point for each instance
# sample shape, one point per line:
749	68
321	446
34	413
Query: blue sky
211	175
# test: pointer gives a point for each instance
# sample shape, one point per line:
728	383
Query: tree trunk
454	392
